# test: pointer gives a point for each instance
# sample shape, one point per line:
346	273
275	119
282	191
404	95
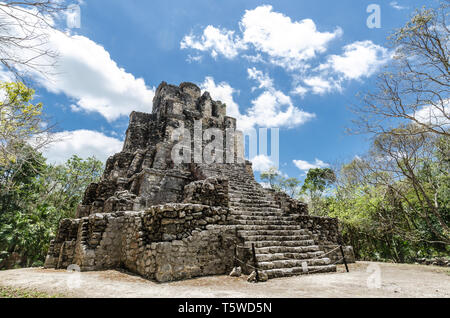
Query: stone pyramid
167	219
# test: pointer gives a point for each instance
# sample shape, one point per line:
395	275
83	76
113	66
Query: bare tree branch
415	86
24	36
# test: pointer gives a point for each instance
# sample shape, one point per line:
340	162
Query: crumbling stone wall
211	191
327	235
177	221
325	230
204	253
62	248
288	204
165	242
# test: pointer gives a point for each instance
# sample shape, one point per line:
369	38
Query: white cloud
75	108
223	92
360	59
272	108
275	109
299	90
83	143
216	41
254	58
262	163
397	6
194	58
85	72
319	85
287	43
305	165
272	37
263	79
434	115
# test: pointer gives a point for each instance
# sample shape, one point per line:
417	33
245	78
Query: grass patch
9	292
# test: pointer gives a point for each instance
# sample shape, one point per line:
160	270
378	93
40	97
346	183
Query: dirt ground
366	279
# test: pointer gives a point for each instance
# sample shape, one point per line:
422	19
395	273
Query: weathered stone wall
288	204
326	234
325	230
208	252
177	221
62	249
165	242
160	186
211	191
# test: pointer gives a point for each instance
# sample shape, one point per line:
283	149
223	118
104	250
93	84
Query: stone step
247	196
293	263
288	256
273	232
245	190
293	271
246	193
254	205
265	222
258	213
238	179
276	238
238	198
257	209
252	208
249	202
286	249
241	185
252	200
246	208
297	243
265	217
251	227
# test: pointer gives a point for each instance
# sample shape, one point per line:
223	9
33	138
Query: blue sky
296	65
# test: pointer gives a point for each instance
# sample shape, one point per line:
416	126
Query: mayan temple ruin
167	221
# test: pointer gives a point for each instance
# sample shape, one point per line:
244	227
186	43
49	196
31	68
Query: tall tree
272	176
65	184
291	186
317	181
22	125
414	169
42	196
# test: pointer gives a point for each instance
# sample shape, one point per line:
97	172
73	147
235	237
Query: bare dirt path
396	280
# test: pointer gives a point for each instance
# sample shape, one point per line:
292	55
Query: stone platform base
164	243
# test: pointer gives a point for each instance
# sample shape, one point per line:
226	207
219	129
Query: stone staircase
281	245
